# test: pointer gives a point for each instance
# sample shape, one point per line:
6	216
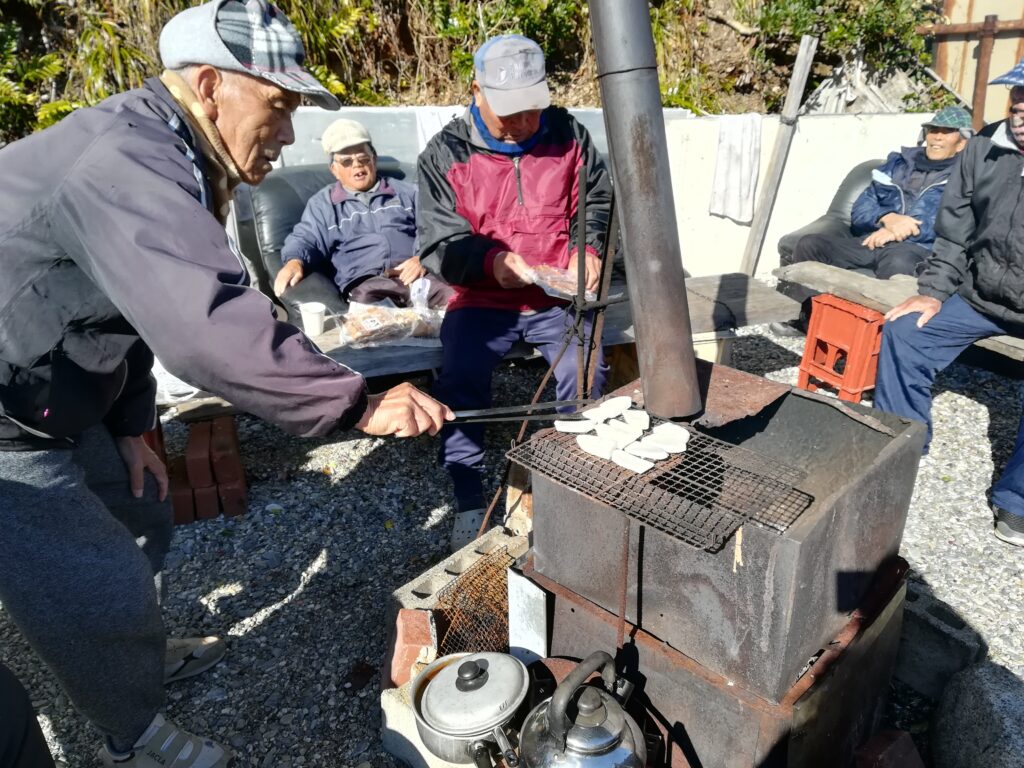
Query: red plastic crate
843	340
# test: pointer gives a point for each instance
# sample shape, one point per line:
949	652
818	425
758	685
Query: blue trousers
475	341
912	357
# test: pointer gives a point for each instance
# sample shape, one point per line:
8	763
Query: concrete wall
824	149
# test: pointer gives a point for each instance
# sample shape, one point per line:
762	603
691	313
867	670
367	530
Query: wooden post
770	190
988	36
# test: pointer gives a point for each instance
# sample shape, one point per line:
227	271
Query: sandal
190	656
165	745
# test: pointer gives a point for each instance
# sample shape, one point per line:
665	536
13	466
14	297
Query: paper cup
313	313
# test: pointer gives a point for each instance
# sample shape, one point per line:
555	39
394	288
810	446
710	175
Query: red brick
207	502
197	455
889	749
224	452
234	499
412	633
180	491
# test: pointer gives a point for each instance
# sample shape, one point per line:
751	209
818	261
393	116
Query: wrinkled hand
290	274
901	226
877	239
139	457
593	268
926	305
409	271
511	270
403	411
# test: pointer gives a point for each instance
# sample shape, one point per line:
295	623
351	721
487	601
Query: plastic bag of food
370	325
560	283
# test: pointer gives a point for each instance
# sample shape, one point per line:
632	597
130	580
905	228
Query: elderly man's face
1016	116
513	129
942	143
254	119
355	167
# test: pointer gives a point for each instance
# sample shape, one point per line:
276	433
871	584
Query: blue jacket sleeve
873	203
309	242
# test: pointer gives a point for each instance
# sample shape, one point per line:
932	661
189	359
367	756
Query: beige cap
342	134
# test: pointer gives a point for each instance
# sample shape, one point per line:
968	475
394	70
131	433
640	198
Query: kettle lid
598	725
474	693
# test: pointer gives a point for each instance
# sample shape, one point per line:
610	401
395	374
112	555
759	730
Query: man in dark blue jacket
362	229
892	224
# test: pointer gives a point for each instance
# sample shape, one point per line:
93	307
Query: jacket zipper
519	180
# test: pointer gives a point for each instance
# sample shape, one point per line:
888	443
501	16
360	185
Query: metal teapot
600	735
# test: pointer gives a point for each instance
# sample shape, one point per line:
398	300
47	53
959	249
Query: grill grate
700	496
474	607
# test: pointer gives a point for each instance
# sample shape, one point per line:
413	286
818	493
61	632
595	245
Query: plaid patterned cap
951	117
510	70
1014	77
252	37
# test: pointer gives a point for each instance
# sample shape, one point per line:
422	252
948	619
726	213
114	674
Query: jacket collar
340	195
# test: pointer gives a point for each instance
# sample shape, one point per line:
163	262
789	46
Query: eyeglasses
347	161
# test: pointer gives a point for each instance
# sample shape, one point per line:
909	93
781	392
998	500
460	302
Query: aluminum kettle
599	735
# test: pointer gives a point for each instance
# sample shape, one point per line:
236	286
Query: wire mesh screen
474	607
700	496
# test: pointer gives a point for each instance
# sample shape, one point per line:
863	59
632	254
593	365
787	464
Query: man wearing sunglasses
971	287
362	228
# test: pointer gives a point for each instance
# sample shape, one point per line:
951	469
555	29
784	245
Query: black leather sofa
836	220
272	210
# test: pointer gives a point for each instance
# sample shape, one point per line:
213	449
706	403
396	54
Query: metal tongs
520	412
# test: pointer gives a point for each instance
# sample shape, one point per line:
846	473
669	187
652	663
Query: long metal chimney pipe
628	76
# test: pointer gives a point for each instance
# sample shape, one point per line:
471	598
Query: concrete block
936	643
413	634
197	455
207	502
889	749
421	592
978	722
398	733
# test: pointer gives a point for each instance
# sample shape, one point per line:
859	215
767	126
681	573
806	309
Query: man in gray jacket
111	245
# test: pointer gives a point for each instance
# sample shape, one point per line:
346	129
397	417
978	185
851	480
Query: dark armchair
274	208
836	220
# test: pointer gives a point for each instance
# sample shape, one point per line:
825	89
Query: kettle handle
558	722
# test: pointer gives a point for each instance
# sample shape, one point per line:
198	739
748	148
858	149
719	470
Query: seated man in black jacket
971	287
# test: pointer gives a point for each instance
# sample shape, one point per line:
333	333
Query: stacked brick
210	478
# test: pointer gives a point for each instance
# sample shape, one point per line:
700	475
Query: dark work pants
848	253
21	742
78	555
475	341
912	357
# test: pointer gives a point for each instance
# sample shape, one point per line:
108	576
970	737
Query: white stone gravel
299	585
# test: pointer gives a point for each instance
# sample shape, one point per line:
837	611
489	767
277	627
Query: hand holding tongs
519	412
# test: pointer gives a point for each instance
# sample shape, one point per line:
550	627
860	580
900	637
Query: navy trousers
475	341
912	357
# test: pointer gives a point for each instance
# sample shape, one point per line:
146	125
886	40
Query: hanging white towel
736	167
430	120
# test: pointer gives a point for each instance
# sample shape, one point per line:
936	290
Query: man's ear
477	94
209	87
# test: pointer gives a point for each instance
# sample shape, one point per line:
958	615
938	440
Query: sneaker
164	745
190	656
1009	527
465	527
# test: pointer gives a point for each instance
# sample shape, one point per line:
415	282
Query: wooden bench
881	295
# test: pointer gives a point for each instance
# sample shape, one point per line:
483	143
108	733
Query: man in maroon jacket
498	190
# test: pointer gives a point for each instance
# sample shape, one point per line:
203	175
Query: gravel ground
299	585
